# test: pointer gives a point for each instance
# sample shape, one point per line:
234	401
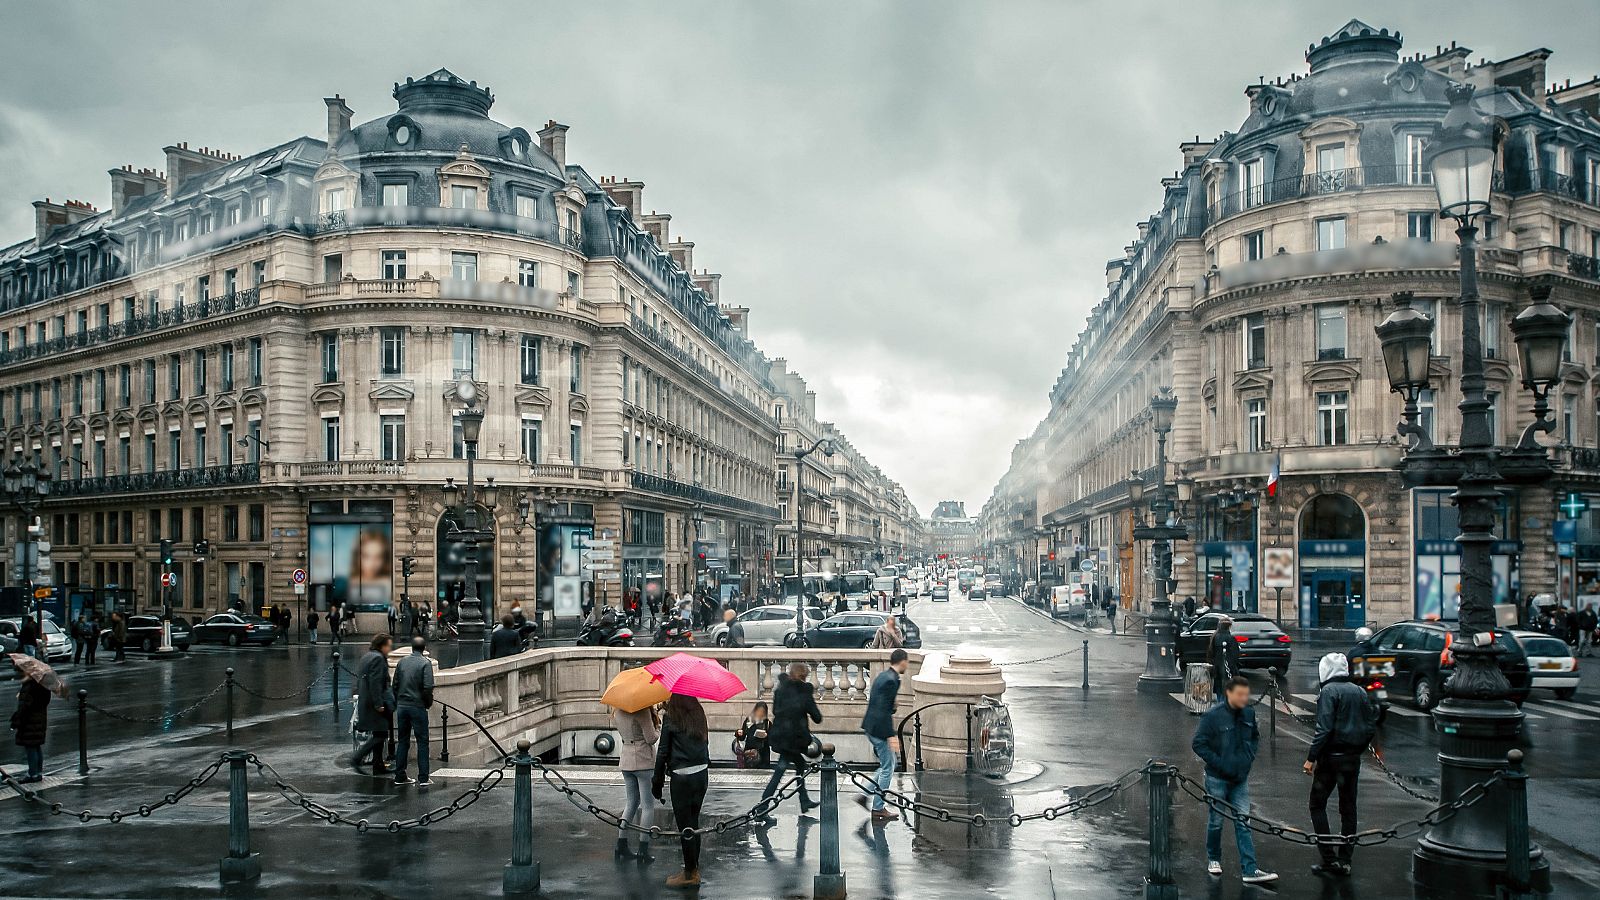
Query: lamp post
1477	722
27	485
1160	638
469	530
826	446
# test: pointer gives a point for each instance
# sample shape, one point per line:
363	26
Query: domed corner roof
1354	40
441	112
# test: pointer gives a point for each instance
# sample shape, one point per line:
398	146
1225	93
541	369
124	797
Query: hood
1332	666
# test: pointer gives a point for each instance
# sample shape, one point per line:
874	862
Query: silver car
772	625
57	643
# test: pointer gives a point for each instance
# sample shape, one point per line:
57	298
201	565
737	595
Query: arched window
1332	517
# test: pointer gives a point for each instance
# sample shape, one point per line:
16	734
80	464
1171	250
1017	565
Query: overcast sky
915	199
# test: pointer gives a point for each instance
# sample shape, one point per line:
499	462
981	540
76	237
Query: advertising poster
353	564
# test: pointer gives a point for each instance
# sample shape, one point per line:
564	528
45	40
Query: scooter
608	633
675	632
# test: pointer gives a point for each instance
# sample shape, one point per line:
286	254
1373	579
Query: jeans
35	757
880	748
1236	795
787	761
688	794
373	747
411	720
638	784
1585	641
313	632
1341	771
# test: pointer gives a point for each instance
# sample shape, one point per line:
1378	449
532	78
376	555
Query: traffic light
166	553
202	549
408	566
701	550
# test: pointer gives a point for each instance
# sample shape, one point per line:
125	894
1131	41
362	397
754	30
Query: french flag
1272	477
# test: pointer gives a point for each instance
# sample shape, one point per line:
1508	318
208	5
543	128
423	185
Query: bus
857	589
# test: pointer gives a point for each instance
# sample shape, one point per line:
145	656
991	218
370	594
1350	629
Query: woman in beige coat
638	732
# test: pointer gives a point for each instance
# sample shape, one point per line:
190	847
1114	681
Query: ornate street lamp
27	485
1477	722
826	446
1160	630
469	531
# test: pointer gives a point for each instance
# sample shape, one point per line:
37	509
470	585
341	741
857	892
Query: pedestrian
1227	740
312	620
840	604
30	721
92	630
506	640
1223	655
413	697
78	641
888	635
735	635
333	624
1346	722
638	733
683	751
374	699
1111	614
517	618
1188	607
1569	621
793	702
287	623
1587	622
119	636
878	723
28	638
750	741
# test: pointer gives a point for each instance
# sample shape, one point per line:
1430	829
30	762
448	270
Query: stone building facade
1253	294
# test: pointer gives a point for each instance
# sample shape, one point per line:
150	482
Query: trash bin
1197	695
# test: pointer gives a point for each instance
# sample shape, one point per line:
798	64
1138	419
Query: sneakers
426	782
403	778
1213	868
884	815
1260	877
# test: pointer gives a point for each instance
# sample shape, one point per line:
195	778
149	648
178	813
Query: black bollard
522	873
444	734
83	732
1519	868
1086	665
240	864
829	881
230	704
1158	883
336	684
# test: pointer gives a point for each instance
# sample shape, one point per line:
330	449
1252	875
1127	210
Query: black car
144	633
857	629
1262	644
234	629
1408	658
978	591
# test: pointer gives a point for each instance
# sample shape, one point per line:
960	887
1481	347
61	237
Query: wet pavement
1067	737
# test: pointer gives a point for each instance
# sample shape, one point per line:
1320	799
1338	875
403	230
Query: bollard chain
1090	798
292	694
116	815
163	719
1024	662
299	798
751	816
1310	721
1444	812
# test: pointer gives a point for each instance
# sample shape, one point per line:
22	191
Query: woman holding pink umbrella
30	719
684	752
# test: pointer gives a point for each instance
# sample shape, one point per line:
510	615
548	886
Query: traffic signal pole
166	598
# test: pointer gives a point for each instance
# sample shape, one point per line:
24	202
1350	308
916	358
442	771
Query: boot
643	853
622	851
686	878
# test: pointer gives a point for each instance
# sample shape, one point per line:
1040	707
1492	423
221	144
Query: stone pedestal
963	678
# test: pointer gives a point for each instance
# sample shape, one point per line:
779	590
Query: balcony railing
1549	181
1583	266
1314	184
447	217
688	361
144	323
658	485
144	482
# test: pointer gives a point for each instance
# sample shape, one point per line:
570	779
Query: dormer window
334	200
463	196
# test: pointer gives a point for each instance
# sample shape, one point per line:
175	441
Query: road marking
1555	711
1568	704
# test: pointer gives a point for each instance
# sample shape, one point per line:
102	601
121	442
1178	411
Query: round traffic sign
169	579
1086	566
299	576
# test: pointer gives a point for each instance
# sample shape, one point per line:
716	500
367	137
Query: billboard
352	563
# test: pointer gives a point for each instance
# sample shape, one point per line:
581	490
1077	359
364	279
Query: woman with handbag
638	732
684	753
750	741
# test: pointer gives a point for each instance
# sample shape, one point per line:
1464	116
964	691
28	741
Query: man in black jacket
1223	655
1345	722
506	640
375	702
1226	741
794	701
878	723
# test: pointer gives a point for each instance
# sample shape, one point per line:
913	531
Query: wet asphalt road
1066	736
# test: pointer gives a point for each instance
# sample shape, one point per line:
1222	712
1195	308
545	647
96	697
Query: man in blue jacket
1226	741
879	726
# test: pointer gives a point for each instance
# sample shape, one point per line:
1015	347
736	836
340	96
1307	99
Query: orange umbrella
633	690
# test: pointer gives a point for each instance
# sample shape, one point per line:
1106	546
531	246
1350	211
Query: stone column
967	677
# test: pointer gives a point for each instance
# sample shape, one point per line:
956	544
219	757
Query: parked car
978	591
941	591
234	629
144	633
766	625
856	629
1262	644
1550	663
1410	657
57	643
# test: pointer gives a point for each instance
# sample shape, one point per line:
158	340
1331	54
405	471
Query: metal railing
659	485
143	323
176	479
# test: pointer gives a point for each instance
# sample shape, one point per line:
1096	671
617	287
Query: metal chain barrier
1090	798
1024	662
294	795
750	816
1310	721
1400	831
162	720
116	815
289	696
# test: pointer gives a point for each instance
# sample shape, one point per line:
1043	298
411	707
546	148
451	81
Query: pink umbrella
681	673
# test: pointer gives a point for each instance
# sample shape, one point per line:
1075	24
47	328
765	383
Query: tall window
174	449
330	439
227	367
1494	420
458	443
253	430
391	351
124	454
200	372
1250	184
225	444
150	451
330	356
393	437
578	353
528	359
1331	330
1416	167
258	272
1419	226
527	206
1254	245
530	440
257	362
572	283
199	446
1332	409
1569	419
99	391
1255	341
1491	330
463	197
334	200
1330	234
527	273
263	207
577	444
464	266
1256	424
1427	413
1430	308
174	376
77	396
394	264
463	353
1330	158
396	194
124	386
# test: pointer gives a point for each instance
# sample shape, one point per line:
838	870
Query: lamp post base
469	643
1161	658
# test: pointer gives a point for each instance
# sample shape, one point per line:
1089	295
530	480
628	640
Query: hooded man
1346	720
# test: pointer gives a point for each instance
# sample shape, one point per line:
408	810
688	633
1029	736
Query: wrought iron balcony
143	323
148	482
655	484
1583	266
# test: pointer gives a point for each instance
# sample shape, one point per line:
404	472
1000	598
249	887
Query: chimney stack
48	216
553	140
128	184
338	120
183	164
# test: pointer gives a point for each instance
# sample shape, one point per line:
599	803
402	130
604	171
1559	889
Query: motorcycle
675	632
607	633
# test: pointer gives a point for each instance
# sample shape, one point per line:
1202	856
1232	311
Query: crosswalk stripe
1394	709
1567	704
1563	713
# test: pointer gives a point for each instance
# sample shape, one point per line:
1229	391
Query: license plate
1549	665
1375	665
1380	694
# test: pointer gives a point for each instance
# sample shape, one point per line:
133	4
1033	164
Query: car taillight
1374	686
1240	638
249	627
1283	639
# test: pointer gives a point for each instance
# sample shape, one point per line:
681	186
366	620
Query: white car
1550	663
772	625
